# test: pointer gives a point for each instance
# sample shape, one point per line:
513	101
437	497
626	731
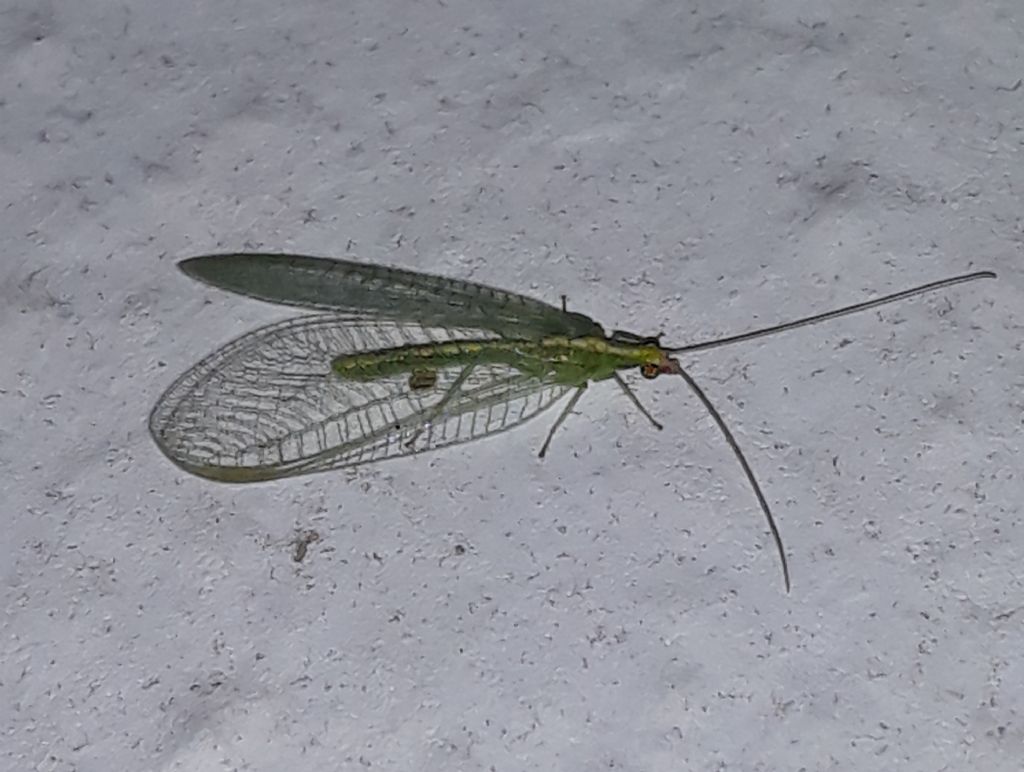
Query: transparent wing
378	292
268	405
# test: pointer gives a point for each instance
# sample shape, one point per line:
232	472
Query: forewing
363	291
268	405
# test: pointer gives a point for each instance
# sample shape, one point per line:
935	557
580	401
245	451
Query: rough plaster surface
690	167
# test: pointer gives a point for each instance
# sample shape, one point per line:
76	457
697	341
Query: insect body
568	361
398	362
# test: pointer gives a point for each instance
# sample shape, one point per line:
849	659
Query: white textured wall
687	167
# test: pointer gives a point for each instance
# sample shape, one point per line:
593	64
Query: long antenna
673	366
845	311
776	536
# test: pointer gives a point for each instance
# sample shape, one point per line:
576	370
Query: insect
398	362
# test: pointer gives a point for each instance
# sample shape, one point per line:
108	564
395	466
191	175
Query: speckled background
695	168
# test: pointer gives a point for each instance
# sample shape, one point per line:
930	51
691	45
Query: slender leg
635	401
436	410
562	416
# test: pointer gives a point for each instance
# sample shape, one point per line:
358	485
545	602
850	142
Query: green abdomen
561	360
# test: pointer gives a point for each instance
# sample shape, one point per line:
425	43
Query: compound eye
650	370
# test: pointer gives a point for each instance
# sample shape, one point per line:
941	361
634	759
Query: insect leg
562	416
435	411
629	393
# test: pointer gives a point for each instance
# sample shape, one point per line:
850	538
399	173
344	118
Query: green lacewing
396	362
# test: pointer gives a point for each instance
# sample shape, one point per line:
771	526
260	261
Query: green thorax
568	361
